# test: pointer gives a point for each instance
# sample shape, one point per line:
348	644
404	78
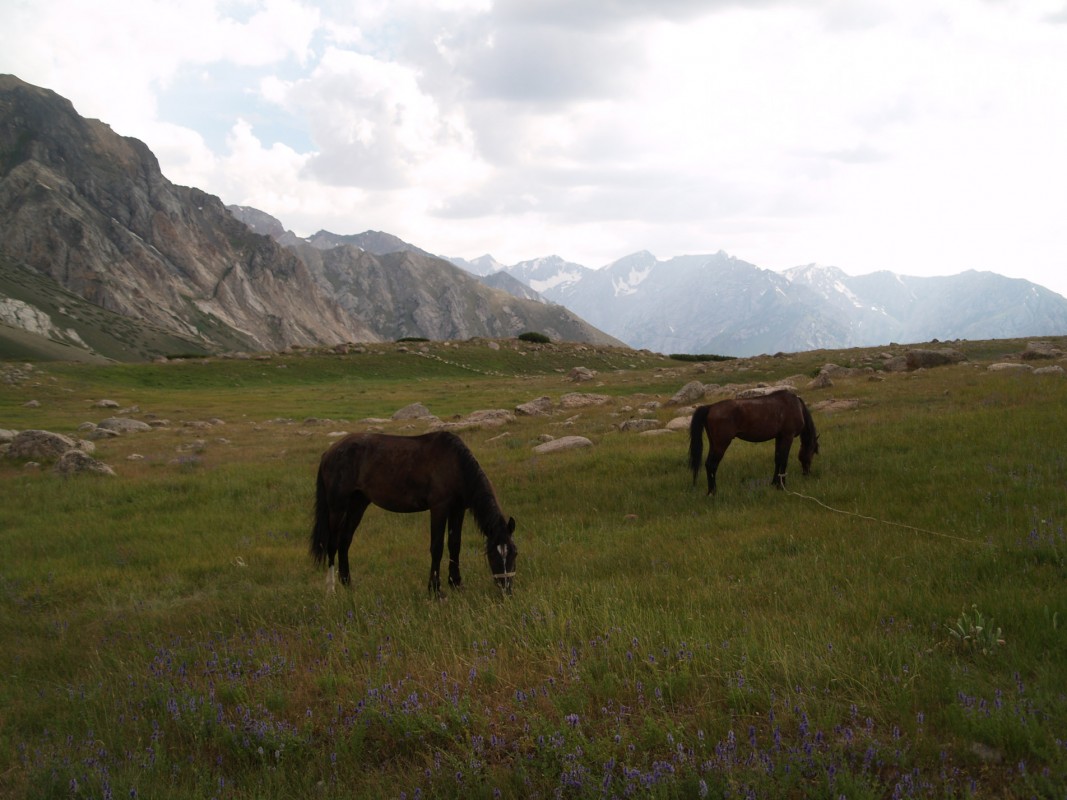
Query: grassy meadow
894	625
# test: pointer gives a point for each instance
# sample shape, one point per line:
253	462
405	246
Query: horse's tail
809	437
696	439
320	530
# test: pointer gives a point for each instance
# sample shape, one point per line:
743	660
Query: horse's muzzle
503	581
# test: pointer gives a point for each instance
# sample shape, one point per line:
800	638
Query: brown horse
779	415
435	472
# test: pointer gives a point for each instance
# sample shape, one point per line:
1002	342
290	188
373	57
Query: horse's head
808	451
502	552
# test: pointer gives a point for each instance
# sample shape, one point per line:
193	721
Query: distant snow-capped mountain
721	304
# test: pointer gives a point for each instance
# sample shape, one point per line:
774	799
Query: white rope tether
881	521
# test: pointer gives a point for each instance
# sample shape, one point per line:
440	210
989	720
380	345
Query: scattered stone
581	400
489	418
123	425
75	461
638	425
1010	366
925	359
97	433
835	371
413	411
820	381
680	423
581	374
32	404
540	407
763	391
831	405
6	436
563	443
656	432
1056	369
105	404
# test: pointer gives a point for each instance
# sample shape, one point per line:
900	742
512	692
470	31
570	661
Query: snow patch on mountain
628	283
559	280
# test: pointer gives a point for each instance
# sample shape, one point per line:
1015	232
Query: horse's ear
511	525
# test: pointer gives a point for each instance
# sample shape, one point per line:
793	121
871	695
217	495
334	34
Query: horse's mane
481	499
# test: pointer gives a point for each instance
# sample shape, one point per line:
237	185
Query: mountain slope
405	294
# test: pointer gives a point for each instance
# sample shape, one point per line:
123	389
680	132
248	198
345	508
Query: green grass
165	634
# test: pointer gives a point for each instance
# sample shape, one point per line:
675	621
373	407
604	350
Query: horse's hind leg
455	536
712	464
782	446
352	517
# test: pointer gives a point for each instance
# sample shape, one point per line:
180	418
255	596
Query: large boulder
45	445
692	392
1038	350
535	408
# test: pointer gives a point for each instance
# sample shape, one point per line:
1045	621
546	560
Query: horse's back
757	418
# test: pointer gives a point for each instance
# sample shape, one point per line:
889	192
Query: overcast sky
926	137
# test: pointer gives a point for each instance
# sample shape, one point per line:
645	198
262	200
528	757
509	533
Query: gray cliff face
90	210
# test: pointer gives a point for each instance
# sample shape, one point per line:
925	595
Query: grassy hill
893	625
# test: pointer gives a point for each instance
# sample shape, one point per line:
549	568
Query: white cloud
917	136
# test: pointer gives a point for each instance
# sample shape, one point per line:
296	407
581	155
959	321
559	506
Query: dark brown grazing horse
779	415
435	472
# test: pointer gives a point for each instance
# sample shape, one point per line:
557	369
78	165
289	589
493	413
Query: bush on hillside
533	336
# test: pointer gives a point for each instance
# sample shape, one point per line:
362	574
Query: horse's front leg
782	446
437	549
455	535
